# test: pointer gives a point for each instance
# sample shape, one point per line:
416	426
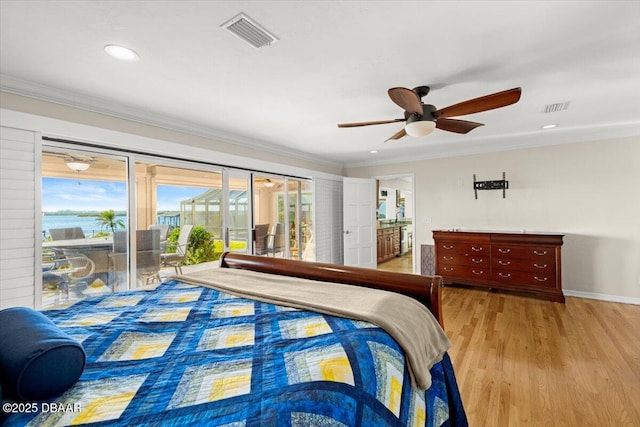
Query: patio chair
164	230
65	273
175	259
275	242
68	233
261	237
147	256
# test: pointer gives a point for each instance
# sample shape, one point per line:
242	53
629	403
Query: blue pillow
37	359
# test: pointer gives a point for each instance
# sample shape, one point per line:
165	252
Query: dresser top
466	230
500	236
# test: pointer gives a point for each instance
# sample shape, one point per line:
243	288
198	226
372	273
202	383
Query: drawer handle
503	262
477	260
447	246
448	268
539	253
504	275
477	273
504	251
447	258
540	266
476	249
544	279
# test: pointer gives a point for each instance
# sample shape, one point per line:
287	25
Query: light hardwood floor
521	360
525	361
402	264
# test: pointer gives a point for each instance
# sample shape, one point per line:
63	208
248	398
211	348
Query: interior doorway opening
395	215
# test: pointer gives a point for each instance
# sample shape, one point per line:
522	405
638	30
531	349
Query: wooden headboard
426	289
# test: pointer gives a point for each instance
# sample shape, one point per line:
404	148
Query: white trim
115	140
601	297
37	274
101	106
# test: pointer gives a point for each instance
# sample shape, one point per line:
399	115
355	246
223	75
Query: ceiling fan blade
381	122
406	99
484	103
398	135
457	126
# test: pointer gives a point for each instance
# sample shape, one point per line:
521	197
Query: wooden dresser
524	262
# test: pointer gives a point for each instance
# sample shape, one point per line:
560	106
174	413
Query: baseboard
601	297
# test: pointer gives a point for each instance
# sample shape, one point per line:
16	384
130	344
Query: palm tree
108	219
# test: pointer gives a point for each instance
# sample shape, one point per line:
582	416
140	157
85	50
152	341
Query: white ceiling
333	63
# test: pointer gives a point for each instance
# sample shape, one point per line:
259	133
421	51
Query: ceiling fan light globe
420	128
78	166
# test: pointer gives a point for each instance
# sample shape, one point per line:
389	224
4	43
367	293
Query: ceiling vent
250	31
553	108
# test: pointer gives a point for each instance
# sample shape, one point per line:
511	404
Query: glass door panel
84	205
168	198
305	222
300	219
269	216
239	213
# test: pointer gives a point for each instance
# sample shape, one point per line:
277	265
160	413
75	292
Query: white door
359	222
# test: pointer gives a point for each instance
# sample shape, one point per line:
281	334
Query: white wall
590	191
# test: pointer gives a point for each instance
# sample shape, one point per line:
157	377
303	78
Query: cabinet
524	262
388	243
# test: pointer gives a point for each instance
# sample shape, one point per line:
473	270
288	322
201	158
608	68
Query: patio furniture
261	237
275	241
66	233
175	259
147	257
164	230
95	248
65	273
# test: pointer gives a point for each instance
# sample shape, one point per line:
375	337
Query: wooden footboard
426	289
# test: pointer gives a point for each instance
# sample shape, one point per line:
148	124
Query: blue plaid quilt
185	355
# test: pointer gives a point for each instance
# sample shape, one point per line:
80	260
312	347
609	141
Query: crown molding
97	105
541	138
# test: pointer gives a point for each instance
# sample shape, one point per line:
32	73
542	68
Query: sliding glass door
116	221
283	217
84	205
186	206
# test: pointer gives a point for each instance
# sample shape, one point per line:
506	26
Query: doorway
395	216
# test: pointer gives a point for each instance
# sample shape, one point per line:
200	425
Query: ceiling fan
77	162
421	119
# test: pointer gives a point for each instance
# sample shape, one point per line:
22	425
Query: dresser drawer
463	248
464	272
472	260
524	277
538	253
533	265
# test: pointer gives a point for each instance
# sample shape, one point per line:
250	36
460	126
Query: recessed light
549	126
373	151
121	52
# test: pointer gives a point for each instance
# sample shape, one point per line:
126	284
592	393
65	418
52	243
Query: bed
236	346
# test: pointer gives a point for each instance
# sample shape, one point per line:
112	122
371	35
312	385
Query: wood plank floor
401	264
524	361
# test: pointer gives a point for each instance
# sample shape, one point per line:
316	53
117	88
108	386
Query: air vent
250	31
553	108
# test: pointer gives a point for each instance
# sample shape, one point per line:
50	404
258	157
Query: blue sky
83	195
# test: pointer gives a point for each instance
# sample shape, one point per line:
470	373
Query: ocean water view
89	224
